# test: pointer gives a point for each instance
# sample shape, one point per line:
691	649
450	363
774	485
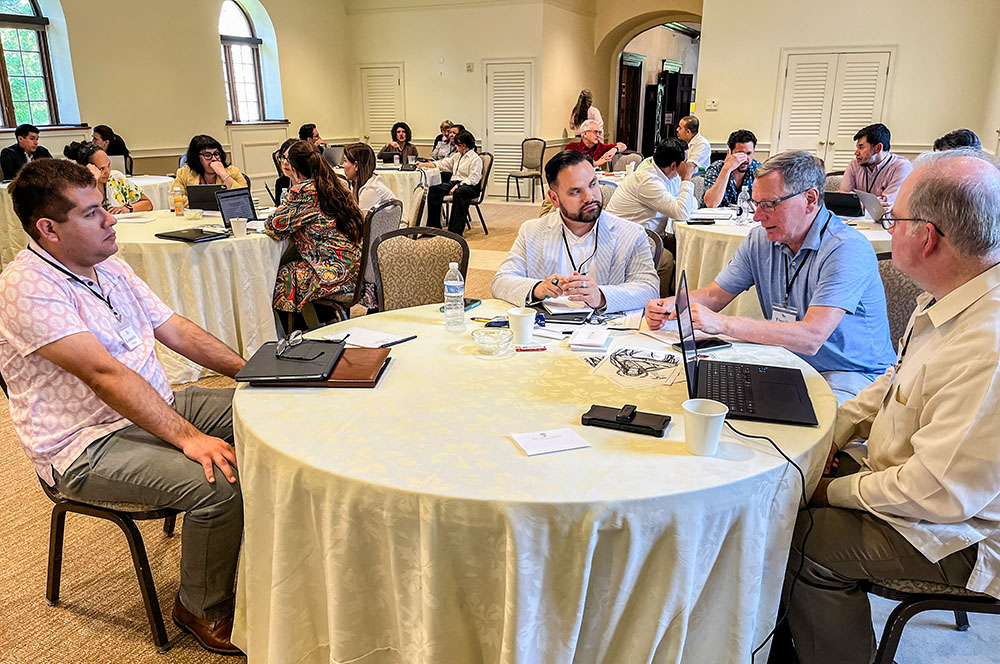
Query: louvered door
827	98
859	96
508	118
381	102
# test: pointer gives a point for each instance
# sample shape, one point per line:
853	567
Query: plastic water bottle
177	200
454	299
743	211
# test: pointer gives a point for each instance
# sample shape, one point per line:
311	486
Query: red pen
529	349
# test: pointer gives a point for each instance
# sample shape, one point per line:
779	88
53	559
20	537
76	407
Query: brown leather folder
357	367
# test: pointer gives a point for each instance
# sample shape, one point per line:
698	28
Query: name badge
784	314
129	336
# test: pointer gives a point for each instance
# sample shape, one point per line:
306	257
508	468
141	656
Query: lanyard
790	283
878	170
570	253
106	299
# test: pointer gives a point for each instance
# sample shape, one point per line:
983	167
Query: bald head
958	190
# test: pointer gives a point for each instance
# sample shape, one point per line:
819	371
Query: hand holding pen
551	286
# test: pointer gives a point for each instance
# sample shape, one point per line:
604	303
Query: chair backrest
277	164
607	191
249	182
129	164
117	162
416	211
833	181
655	246
900	296
619	161
485	182
532	150
381	219
699	188
182	160
410	265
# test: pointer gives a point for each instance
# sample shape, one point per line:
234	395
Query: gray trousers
132	465
846	384
829	617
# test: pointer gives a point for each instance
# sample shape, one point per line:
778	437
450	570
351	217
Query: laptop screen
235	203
685	329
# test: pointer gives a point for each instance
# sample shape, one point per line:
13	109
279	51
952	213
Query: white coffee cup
239	226
522	324
703	420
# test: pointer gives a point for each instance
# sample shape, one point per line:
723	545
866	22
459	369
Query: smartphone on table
470	303
706	344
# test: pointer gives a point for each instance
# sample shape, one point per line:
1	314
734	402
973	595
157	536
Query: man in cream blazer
577	250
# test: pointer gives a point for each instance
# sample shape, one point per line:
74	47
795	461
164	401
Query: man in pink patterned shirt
90	401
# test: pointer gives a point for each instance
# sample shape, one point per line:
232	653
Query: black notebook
192	235
310	360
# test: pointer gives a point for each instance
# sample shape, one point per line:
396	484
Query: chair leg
481	219
168	525
56	536
533	188
961	621
506	197
145	578
517	183
310	315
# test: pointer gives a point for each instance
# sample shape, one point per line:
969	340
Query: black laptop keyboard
729	383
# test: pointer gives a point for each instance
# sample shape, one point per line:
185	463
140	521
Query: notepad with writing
357	367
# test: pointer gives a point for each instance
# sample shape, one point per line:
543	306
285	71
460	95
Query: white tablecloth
13	238
225	286
403	520
703	250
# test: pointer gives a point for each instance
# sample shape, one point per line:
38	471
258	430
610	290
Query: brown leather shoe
212	635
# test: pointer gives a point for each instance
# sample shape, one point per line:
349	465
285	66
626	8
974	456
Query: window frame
37	23
228	41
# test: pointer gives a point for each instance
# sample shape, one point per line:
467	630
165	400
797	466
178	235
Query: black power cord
802	559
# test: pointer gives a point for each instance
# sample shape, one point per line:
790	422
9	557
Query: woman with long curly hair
323	221
401	143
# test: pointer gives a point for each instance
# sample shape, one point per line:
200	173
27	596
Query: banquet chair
277	164
123	515
416	211
129	164
182	160
655	245
410	265
900	296
918	596
487	169
118	163
532	150
833	181
699	189
380	219
622	159
607	191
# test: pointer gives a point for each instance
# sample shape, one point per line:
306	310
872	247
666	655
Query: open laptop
202	196
235	203
751	391
334	154
843	204
871	204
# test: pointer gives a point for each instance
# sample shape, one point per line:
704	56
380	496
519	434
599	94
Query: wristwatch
129	206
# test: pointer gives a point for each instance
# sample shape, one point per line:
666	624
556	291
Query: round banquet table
703	250
225	286
401	524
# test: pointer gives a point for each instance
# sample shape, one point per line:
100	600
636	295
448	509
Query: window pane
40	113
29	40
18	90
22	7
233	22
14	67
32	64
22	113
36	88
8	36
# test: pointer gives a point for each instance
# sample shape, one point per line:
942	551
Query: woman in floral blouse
120	194
323	221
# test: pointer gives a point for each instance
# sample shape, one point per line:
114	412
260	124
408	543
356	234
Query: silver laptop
871	204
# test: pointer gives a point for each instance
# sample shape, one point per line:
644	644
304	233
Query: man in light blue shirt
817	281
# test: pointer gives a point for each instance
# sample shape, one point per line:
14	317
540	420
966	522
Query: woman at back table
121	195
359	170
325	224
401	143
207	164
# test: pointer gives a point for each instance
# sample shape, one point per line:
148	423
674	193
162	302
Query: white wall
568	66
943	75
659	44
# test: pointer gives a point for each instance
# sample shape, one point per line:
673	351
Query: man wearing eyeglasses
90	402
816	278
593	144
924	504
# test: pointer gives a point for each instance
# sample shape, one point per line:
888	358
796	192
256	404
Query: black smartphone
708	343
700	222
470	303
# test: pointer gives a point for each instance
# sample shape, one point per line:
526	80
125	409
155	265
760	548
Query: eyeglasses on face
769	206
888	221
210	154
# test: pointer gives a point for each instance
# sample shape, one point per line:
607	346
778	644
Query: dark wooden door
629	98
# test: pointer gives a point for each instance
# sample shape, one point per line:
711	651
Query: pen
398	341
530	350
481	320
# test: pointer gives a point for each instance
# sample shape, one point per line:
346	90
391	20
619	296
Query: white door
508	118
827	98
381	102
860	96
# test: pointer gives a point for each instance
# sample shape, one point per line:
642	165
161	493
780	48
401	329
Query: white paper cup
522	324
703	420
239	226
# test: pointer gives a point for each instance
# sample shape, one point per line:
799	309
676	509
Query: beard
587	214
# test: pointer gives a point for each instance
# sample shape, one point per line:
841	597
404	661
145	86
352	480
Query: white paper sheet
544	442
364	337
564	305
640	367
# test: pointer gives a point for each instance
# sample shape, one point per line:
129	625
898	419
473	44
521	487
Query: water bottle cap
453	264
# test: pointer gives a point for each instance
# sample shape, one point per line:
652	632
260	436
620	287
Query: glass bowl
492	340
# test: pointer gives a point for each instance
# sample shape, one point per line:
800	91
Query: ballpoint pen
398	341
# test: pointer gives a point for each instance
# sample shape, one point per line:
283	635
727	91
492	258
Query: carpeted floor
101	618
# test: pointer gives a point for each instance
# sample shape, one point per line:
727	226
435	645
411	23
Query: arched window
240	64
26	92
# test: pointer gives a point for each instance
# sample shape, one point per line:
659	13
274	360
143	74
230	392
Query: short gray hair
799	171
964	206
587	125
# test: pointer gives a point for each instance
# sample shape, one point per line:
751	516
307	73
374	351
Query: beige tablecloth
703	250
225	286
404	523
13	238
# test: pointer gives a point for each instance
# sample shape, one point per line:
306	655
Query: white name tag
783	314
129	336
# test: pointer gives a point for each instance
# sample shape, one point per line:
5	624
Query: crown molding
584	7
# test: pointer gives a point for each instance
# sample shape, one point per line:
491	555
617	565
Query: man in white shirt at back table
925	503
699	150
578	250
